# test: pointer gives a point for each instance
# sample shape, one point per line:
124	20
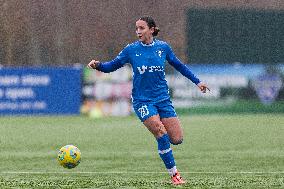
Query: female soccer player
150	93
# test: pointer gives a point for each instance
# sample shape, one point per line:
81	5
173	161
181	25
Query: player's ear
152	30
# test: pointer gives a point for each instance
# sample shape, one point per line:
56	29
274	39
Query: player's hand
93	64
203	87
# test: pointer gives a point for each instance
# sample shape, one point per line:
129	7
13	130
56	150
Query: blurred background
236	47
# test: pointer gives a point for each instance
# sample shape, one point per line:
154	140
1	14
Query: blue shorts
164	108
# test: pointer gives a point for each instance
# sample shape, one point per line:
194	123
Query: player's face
143	32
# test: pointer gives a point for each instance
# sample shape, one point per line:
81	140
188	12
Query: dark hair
151	23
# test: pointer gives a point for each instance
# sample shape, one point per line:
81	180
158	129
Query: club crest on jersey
143	111
160	53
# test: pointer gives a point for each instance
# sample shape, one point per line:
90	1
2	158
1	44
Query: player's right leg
156	127
174	130
148	114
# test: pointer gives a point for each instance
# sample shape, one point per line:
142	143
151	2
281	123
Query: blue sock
166	153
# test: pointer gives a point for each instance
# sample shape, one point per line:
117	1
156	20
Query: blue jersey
148	64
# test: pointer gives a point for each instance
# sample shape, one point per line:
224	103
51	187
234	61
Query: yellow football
69	156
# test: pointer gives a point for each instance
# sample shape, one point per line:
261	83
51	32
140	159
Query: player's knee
159	128
176	141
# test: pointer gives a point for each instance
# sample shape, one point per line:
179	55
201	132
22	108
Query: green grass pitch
219	151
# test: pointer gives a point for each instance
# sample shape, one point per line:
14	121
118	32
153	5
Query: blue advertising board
54	90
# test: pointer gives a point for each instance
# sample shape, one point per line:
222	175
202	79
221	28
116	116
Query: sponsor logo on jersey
143	69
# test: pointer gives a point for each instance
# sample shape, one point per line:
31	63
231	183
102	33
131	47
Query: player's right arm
113	65
106	67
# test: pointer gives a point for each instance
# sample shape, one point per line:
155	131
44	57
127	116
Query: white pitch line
148	172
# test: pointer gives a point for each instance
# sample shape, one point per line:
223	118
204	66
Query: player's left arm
184	70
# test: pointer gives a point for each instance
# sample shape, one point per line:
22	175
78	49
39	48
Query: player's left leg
170	121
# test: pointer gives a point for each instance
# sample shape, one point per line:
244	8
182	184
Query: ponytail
156	31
